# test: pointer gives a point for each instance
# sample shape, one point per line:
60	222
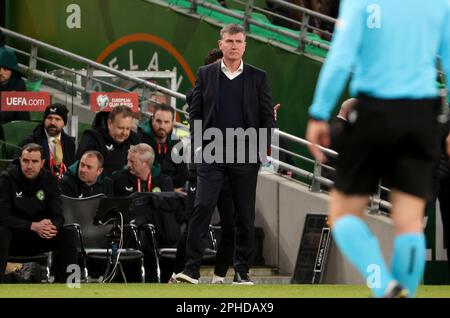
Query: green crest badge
40	195
156	189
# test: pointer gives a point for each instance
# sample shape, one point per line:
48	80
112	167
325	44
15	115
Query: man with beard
59	148
157	133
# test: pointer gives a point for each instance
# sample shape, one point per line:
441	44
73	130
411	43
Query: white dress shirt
228	73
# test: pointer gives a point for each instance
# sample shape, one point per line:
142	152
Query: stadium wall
281	208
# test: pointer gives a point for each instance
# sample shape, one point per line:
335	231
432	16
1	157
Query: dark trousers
441	191
225	249
444	202
210	181
27	243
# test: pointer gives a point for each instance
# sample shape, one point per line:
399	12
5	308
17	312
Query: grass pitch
200	291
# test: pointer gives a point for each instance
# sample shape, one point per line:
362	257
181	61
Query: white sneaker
173	279
184	278
217	280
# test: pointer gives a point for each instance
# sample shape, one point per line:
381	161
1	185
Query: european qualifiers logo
105	101
102	101
25	101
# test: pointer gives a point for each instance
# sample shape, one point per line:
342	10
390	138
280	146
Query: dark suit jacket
257	103
39	137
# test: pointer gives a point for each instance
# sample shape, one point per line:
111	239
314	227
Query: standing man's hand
44	228
318	133
275	111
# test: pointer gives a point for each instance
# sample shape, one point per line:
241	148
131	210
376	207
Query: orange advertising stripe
144	37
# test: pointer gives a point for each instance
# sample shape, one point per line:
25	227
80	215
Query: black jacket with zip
72	186
98	138
23	201
125	183
39	137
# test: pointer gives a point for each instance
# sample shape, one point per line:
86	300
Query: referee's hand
318	133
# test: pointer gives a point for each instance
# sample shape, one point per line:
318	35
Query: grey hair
232	28
144	151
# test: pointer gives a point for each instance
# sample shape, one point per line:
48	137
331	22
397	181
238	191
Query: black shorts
393	140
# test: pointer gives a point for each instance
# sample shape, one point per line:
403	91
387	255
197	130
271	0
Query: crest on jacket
40	195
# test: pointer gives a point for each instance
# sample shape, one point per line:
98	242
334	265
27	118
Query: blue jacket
389	47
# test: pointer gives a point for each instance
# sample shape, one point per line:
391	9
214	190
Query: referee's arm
340	60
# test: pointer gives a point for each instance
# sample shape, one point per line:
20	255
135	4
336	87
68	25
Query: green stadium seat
14	132
81	128
7	153
4	161
37	116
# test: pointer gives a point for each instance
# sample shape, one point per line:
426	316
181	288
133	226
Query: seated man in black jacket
112	139
85	179
59	147
140	175
31	218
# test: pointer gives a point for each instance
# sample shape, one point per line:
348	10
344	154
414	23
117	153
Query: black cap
57	109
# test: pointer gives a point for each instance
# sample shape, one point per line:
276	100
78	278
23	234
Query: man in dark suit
59	147
228	96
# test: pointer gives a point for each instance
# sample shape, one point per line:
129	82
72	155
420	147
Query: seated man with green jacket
85	178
